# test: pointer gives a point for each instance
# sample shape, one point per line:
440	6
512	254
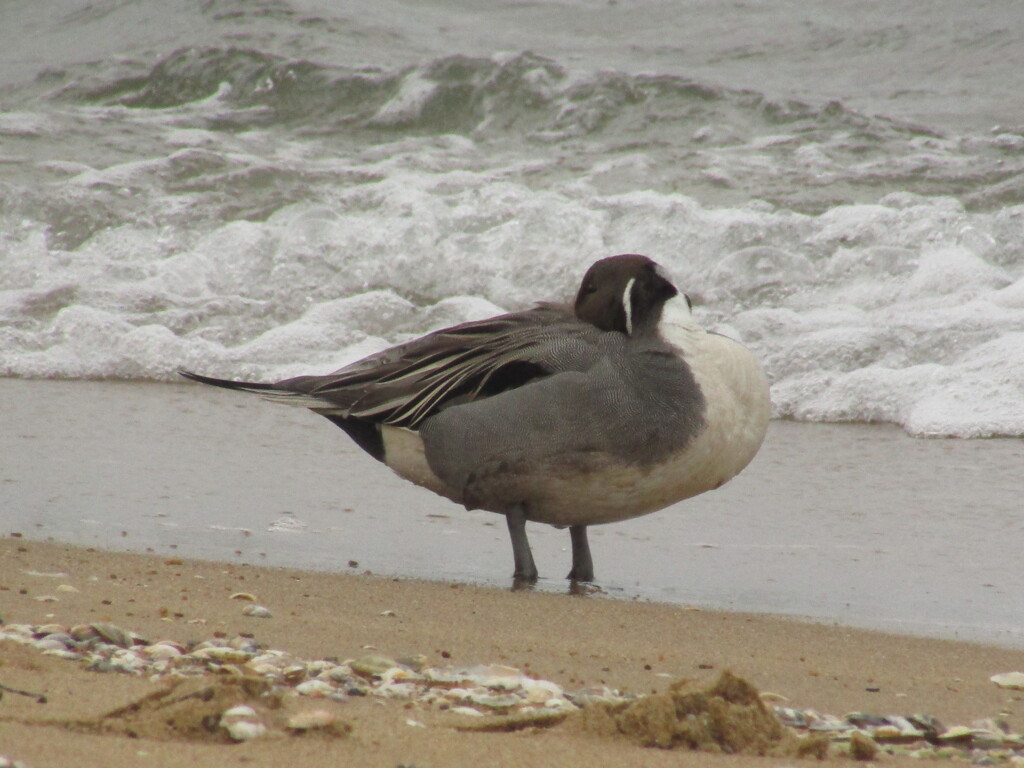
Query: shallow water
853	524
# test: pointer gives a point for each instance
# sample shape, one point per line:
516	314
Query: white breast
737	406
736	396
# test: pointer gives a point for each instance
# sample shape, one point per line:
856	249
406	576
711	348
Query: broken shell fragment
113	634
1014	680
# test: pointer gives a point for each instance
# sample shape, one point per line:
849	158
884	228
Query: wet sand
858	525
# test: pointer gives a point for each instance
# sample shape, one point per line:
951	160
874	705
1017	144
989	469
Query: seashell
269	657
243	596
415	663
530	685
310	720
294	673
595	696
906	728
559	704
67	588
887	732
398	675
1014	680
18	630
314	688
264	670
222	654
257	612
792	718
244	730
126	661
113	634
830	725
987	724
83	632
497	676
54	642
443	676
46	599
396	690
414	723
372	665
246	644
161	651
538	696
337	674
864	719
494	702
50	629
239	711
467	711
63	653
930	725
984	739
957	733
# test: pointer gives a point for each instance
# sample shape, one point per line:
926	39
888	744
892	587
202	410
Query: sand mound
728	717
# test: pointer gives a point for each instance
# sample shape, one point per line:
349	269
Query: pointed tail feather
275	393
247	386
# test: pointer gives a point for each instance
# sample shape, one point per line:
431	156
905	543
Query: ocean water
264	188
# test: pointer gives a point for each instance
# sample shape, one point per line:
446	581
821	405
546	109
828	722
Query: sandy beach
574	641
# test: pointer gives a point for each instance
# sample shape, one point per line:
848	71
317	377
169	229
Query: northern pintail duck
610	408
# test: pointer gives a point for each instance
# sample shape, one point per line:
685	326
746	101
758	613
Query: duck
613	406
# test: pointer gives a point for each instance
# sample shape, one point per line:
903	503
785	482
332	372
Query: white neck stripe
627	305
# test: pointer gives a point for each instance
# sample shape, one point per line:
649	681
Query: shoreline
574	641
858	524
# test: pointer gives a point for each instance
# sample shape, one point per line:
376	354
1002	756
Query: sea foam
909	314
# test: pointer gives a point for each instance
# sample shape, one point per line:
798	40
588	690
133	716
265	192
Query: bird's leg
582	565
525	568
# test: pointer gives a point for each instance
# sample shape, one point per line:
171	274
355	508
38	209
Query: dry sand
572	640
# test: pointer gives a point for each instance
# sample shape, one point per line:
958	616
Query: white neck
677	325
